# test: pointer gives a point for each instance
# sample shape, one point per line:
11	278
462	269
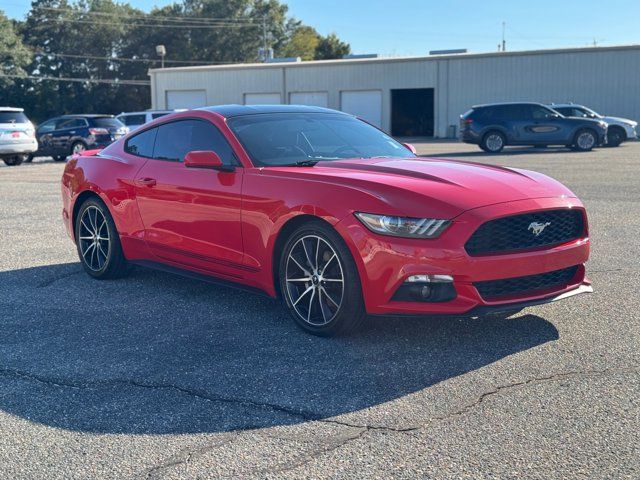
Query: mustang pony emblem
537	227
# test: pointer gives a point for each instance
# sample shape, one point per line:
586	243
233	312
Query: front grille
518	232
496	289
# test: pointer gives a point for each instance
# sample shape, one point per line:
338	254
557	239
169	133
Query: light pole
161	51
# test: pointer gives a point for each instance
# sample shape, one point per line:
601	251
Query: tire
615	136
585	140
102	258
78	148
59	158
313	261
14	160
493	142
29	158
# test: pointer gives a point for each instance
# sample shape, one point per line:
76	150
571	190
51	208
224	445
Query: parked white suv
17	136
135	120
620	129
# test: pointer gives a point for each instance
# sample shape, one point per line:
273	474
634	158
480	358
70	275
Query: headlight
403	226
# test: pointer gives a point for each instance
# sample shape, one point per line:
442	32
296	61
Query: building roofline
354	61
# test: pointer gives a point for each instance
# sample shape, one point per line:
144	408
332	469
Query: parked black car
69	134
494	126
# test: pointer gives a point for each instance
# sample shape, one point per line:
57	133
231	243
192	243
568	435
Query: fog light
425	291
426	288
429	279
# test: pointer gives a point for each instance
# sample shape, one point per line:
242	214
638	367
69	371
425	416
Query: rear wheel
319	282
98	242
14	160
615	136
29	158
59	158
585	140
77	148
493	142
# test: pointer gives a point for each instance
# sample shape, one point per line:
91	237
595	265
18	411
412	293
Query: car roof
229	111
151	110
497	104
11	109
565	105
88	115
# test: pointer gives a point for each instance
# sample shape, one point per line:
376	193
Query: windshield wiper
305	163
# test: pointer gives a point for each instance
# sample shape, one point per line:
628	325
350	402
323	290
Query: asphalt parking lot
157	376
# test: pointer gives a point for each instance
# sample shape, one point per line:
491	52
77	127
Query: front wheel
615	136
98	242
585	140
493	142
319	282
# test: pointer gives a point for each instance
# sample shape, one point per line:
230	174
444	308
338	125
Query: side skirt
198	276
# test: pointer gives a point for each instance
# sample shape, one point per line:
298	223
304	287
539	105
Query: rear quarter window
141	145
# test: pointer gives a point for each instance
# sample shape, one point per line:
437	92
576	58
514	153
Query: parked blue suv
69	134
494	126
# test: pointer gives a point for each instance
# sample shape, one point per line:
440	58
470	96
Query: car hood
415	186
620	120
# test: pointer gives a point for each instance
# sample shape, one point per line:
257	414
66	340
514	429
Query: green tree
14	55
331	47
303	43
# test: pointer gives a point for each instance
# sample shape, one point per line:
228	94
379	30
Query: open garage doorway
412	112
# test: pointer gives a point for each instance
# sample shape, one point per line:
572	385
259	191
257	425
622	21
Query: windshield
292	138
13	117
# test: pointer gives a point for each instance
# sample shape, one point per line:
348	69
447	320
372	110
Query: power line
121	59
196	26
213	20
143	83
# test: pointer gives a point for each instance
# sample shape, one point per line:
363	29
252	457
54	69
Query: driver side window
176	139
47	127
540	113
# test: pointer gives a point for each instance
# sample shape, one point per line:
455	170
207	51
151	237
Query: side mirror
206	159
410	147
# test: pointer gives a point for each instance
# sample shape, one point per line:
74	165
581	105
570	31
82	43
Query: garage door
262	99
366	104
314	99
186	99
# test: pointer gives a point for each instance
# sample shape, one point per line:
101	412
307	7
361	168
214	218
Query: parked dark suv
69	134
494	126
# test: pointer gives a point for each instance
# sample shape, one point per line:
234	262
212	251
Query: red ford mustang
327	212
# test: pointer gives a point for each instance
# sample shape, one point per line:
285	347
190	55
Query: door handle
146	182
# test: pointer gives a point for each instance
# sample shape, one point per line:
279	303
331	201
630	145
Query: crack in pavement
532	381
186	455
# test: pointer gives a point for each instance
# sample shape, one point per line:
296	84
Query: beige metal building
418	96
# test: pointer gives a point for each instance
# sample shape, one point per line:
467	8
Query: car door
544	126
191	216
44	134
66	129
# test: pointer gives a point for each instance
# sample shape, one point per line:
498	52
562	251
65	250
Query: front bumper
385	262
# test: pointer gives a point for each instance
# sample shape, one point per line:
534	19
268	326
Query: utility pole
264	33
504	42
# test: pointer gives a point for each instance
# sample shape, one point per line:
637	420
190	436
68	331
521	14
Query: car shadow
155	353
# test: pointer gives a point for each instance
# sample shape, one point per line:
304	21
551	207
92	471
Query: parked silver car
17	136
135	120
620	129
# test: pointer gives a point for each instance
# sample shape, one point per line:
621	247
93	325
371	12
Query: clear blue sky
413	27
